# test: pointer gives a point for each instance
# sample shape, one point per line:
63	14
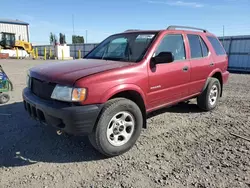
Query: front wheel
4	98
118	127
209	97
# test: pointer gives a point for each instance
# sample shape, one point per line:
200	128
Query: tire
118	127
4	98
204	100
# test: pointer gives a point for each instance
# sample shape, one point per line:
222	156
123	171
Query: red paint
4	56
159	86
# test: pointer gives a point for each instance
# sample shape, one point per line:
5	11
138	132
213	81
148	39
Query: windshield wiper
113	58
93	58
119	59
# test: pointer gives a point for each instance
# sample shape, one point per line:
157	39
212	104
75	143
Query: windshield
123	47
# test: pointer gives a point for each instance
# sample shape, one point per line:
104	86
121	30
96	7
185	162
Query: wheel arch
215	74
131	92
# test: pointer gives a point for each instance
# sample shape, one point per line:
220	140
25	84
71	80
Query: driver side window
174	44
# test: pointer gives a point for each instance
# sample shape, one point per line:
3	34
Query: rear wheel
209	98
4	98
118	128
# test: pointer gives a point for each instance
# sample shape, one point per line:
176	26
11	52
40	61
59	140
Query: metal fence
238	51
74	48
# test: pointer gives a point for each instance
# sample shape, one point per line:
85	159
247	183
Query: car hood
67	72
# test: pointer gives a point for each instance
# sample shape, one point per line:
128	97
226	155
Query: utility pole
223	34
73	25
86	36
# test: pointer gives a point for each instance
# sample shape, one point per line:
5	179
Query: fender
214	71
210	76
123	87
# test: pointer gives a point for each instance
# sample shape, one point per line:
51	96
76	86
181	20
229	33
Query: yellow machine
8	41
24	45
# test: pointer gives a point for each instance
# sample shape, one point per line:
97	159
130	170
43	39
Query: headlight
65	93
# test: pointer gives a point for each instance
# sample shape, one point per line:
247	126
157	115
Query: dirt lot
182	147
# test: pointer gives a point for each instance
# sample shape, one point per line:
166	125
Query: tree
52	39
77	39
62	38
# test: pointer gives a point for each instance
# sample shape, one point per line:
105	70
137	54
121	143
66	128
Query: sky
101	18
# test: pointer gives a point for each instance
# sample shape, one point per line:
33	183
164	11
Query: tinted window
174	44
204	48
123	47
219	50
116	48
195	46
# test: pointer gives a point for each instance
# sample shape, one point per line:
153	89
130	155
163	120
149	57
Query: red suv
109	93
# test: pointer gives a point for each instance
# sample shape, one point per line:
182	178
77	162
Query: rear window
219	50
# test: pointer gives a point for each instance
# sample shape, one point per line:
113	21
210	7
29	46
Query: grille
42	89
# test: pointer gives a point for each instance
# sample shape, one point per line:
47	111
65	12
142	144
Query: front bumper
75	120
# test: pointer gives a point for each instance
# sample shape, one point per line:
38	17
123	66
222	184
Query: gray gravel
182	147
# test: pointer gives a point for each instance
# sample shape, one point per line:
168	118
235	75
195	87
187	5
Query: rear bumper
225	76
76	120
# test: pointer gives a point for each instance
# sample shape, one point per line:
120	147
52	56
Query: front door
168	82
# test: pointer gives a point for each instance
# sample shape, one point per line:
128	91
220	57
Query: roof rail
173	27
131	30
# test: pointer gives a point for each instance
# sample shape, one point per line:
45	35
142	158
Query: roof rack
173	27
131	30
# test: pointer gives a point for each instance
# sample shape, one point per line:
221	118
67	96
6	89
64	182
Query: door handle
211	64
185	69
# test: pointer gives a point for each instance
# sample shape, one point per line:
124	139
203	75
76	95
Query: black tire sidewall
101	130
6	96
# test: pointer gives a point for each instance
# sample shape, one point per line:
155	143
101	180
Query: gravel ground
182	147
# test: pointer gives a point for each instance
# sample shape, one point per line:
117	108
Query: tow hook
59	132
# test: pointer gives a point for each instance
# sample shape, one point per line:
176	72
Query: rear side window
219	50
195	46
204	48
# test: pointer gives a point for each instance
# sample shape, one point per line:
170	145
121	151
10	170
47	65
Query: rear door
220	56
168	82
201	63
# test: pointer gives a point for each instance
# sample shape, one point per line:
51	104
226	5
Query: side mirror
163	57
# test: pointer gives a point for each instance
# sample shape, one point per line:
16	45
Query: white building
20	28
